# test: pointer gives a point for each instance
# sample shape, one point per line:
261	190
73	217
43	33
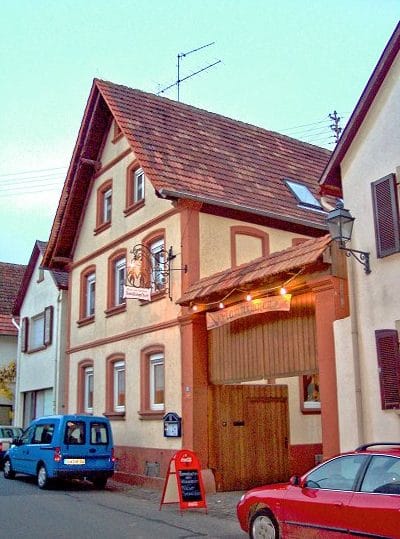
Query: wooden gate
248	435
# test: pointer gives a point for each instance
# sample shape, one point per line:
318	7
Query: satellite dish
328	206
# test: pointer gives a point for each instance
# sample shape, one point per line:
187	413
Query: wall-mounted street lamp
340	224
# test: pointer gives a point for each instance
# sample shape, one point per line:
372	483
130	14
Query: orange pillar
331	303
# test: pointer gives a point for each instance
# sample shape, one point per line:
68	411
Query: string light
221	305
282	291
249	297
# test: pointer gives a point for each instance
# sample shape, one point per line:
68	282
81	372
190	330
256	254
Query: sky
283	65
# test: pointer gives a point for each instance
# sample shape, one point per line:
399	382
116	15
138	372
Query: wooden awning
257	272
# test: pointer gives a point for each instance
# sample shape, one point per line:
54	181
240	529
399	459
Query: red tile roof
256	272
331	177
11	276
189	153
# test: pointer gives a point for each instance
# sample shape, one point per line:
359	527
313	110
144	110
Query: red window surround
83	319
131	203
148	241
82	365
101	222
248	231
145	412
112	308
110	412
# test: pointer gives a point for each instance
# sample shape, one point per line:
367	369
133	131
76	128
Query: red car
356	494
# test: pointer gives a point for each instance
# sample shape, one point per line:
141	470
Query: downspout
17	393
56	383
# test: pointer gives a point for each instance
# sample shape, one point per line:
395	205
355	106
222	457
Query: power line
32	171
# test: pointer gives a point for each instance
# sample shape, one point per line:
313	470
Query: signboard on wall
184	483
248	308
132	292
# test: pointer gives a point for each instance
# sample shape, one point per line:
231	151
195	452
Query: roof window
303	195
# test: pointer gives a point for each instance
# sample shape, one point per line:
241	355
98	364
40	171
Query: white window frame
88	385
303	195
118	367
138	185
90	305
155	360
107	205
36	331
119	281
158	280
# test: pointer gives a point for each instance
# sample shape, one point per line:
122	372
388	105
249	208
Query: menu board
190	485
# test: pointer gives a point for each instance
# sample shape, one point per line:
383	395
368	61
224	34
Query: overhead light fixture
340	225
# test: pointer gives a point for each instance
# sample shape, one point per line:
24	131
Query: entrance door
248	435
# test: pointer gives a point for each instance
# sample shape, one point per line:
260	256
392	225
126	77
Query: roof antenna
183	55
335	126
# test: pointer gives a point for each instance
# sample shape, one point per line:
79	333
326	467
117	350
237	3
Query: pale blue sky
284	63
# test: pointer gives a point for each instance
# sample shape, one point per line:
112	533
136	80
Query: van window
74	432
98	433
43	434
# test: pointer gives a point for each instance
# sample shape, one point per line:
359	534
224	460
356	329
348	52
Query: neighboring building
365	170
41	304
10	281
156	187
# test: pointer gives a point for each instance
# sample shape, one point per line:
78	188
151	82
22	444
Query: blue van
63	447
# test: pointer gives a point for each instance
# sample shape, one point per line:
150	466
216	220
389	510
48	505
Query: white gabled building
41	304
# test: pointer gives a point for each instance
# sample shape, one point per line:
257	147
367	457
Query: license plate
74	461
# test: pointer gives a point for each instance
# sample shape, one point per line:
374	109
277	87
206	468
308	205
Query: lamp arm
361	256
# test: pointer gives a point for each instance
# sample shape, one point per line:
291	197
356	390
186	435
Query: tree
7	377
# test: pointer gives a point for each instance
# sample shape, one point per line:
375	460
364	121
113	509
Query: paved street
121	511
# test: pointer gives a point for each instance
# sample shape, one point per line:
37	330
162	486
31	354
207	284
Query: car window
43	434
98	433
27	435
382	475
74	432
337	474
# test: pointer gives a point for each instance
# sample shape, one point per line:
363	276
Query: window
119	386
157	382
382	475
115	387
135	188
87	295
88	390
387	349
336	474
309	389
104	207
36	332
386	216
98	433
303	195
157	265
43	434
152	383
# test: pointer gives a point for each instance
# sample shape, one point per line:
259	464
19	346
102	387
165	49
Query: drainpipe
16	392
356	354
56	383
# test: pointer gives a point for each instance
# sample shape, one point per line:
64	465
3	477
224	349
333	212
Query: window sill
134	207
85	321
115	310
150	415
115	416
101	227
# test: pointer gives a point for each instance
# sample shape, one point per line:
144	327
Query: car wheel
263	525
100	482
42	478
7	470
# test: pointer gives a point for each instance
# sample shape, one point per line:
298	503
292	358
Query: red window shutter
24	334
387	347
386	215
48	325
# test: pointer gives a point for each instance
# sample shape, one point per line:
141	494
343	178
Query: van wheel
100	482
42	478
7	470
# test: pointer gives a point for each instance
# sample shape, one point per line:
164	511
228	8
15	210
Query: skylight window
303	195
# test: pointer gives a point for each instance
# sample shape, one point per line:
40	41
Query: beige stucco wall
215	237
375	298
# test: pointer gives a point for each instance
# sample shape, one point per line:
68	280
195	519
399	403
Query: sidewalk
221	504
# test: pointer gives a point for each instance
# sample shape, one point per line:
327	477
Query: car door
375	507
318	508
19	454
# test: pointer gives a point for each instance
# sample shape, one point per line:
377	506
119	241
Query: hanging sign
248	308
131	292
183	483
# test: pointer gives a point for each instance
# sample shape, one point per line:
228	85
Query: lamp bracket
361	256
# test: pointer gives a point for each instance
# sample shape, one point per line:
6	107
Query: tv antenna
183	55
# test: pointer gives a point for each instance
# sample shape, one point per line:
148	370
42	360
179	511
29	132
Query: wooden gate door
248	435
